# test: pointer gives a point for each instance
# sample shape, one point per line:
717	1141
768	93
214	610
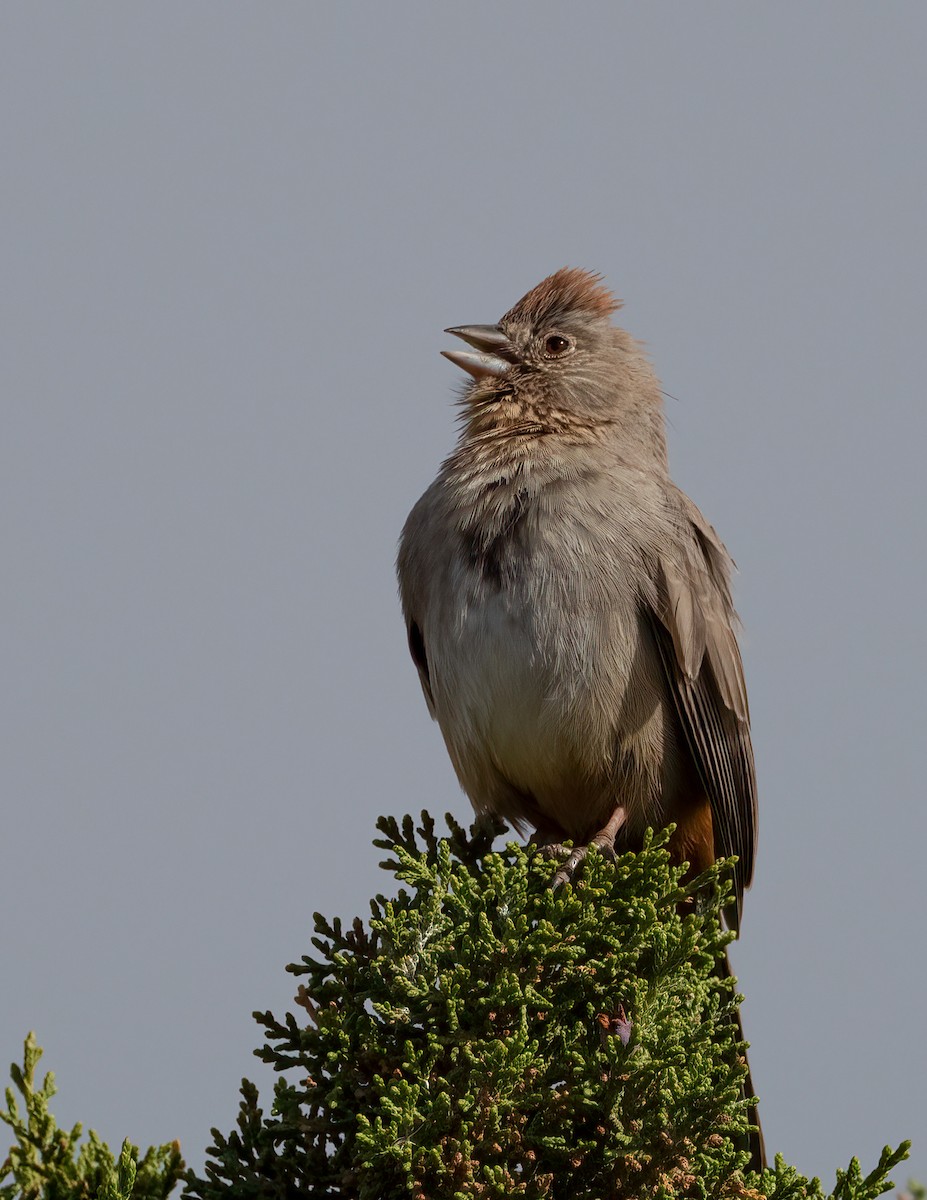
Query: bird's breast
530	669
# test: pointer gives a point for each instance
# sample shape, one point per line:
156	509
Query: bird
568	607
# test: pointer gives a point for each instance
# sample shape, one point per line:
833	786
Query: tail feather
756	1143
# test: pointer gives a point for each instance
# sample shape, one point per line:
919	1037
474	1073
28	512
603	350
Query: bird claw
555	850
567	870
576	857
604	842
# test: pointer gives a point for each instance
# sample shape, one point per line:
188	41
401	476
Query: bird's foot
604	842
554	850
567	870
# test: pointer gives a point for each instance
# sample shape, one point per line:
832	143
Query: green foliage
485	1037
46	1163
785	1183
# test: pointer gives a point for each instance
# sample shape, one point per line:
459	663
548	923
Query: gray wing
413	575
694	623
420	658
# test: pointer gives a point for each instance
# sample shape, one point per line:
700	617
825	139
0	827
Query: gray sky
232	235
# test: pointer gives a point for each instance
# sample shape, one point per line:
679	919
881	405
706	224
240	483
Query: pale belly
527	718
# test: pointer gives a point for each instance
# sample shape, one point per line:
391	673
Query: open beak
495	354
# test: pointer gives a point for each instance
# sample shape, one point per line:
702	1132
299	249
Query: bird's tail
755	1143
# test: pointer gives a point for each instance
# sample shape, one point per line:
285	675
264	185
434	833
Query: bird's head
557	351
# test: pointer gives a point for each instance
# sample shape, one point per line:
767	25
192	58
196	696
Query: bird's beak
495	350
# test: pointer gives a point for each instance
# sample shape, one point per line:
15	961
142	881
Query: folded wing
694	623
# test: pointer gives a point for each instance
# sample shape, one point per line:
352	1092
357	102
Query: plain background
231	237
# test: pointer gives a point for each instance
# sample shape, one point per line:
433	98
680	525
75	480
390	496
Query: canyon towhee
569	609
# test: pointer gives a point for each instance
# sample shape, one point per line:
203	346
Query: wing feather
694	623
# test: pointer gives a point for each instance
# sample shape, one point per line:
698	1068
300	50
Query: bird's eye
556	344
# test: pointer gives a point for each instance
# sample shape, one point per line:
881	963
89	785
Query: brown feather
569	290
695	634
